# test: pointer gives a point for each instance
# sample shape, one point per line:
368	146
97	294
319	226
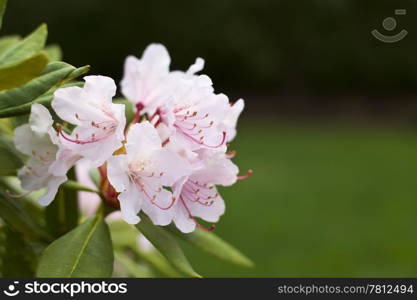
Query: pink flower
198	196
184	102
38	140
99	123
143	173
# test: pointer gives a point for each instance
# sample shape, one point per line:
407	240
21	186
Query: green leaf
13	213
25	108
25	48
7	127
10	160
44	99
75	186
17	256
18	74
86	251
53	52
77	72
132	267
29	202
8	41
167	245
212	244
125	236
3	4
54	73
158	262
62	214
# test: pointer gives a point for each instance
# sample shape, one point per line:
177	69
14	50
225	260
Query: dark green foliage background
248	44
326	199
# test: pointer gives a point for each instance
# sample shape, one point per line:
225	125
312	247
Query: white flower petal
196	67
159	216
100	88
171	165
230	121
117	167
130	204
53	185
143	138
182	219
40	119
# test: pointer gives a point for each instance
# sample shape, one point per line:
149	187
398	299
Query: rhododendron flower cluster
166	162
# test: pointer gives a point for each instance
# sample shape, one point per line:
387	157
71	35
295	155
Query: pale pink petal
130	204
40	119
117	172
52	186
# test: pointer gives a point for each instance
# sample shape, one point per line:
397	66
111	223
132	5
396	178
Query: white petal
130	204
100	88
117	166
157	58
230	121
67	103
217	170
40	119
143	138
210	213
171	165
131	78
182	220
33	175
29	142
65	160
53	185
159	216
196	67
142	77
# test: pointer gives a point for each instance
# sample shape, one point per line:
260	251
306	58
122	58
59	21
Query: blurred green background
329	128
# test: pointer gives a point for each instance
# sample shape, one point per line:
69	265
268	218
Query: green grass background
324	200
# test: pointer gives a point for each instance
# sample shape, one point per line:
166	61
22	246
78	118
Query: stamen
17	196
77	141
139	107
165	142
173	199
231	154
246	176
208	229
